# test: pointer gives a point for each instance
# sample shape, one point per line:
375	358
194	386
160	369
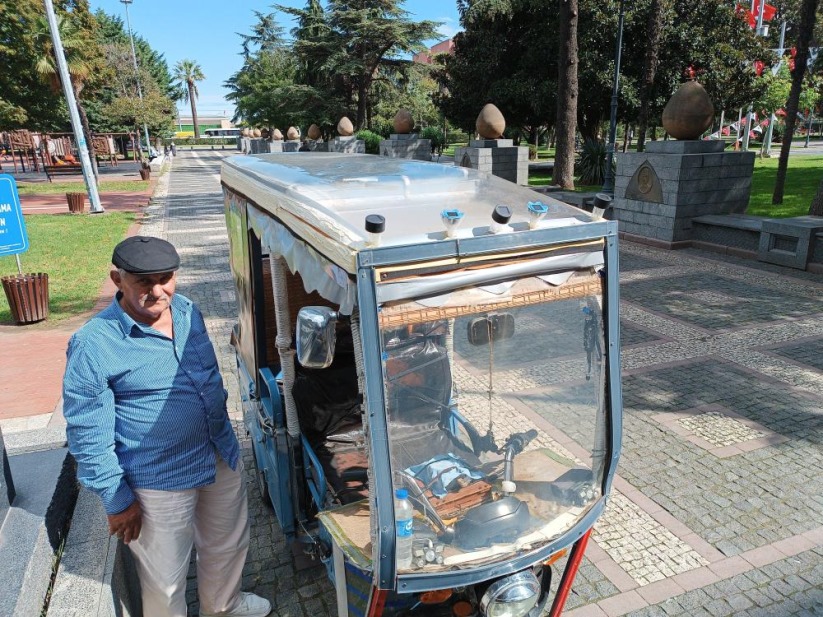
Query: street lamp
136	71
608	181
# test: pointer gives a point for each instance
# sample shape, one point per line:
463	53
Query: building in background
427	57
184	127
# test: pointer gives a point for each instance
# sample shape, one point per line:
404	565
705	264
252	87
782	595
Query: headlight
513	596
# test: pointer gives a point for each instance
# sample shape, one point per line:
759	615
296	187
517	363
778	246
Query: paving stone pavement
727	521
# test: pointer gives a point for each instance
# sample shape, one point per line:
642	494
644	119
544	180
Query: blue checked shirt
145	411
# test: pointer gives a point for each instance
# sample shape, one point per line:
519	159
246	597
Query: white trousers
215	520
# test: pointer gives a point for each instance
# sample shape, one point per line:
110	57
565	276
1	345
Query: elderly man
147	423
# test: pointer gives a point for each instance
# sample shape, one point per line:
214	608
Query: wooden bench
62	170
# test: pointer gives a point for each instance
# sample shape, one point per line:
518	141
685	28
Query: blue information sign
13	237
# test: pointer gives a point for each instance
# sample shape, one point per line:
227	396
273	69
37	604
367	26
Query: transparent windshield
496	415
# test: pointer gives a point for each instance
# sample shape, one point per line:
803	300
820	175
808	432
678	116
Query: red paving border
56	203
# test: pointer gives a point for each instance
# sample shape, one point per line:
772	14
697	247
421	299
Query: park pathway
717	508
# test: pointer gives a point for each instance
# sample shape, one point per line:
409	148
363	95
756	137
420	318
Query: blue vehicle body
290	466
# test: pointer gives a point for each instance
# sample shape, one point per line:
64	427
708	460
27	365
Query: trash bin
28	296
145	173
77	202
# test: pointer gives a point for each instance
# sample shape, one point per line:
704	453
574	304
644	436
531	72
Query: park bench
61	170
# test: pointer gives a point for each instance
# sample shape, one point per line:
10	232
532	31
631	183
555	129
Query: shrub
372	141
436	137
456	136
591	166
384	128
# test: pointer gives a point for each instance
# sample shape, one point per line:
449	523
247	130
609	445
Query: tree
266	90
563	174
265	93
26	101
808	15
112	31
518	73
187	73
105	111
357	42
412	91
81	59
816	207
651	61
154	109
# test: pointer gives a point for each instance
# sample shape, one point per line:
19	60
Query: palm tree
75	42
187	73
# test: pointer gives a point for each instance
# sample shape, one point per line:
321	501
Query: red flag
769	11
746	14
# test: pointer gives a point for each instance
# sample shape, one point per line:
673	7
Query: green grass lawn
544	178
802	178
106	186
75	251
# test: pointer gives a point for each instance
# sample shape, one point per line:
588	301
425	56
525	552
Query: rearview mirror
315	336
495	327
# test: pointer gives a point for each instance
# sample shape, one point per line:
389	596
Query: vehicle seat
328	405
418	375
419	392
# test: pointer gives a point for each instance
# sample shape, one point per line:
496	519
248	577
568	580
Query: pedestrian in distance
173	149
147	423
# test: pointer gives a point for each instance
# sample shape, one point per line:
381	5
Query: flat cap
145	255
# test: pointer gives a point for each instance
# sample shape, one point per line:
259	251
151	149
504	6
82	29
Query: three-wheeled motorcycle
424	335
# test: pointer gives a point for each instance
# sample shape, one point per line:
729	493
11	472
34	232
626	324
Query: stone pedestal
497	156
789	242
276	145
348	144
291	145
406	146
658	192
258	145
316	145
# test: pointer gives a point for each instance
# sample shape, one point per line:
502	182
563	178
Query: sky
205	31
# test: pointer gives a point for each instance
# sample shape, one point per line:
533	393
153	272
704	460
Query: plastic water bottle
404	522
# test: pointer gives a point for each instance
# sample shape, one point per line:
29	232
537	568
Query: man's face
145	296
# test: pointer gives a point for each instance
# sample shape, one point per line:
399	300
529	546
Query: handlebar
514	445
517	442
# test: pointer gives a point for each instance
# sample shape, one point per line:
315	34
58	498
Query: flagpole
762	7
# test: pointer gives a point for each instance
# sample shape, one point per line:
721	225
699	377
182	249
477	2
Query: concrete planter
28	296
77	202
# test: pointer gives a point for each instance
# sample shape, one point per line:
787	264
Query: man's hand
126	524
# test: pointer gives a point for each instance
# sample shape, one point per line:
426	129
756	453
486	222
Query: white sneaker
250	605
